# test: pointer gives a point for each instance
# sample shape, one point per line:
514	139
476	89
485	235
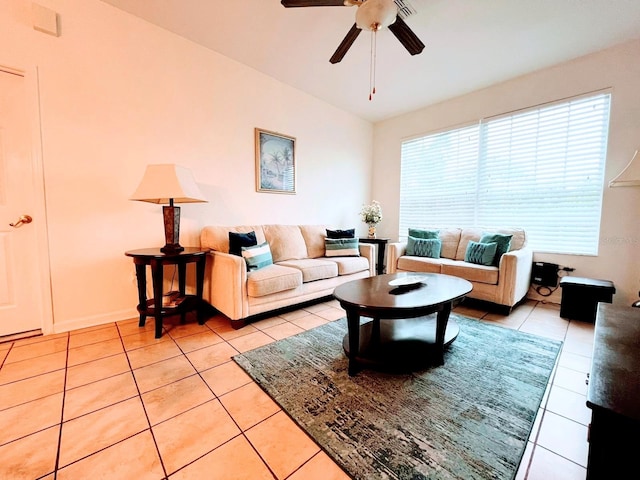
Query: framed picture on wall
275	162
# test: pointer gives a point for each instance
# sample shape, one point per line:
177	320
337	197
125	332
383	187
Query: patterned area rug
468	419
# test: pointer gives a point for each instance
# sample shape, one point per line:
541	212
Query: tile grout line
64	395
546	403
320	449
550	385
216	397
55	472
4	360
535	445
549	382
146	414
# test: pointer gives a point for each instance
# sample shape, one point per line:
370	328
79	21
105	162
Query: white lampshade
376	14
165	182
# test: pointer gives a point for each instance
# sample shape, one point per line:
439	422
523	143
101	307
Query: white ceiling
470	44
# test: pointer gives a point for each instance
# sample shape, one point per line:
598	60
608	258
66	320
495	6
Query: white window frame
539	168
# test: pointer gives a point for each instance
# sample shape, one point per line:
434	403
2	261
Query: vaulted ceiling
470	44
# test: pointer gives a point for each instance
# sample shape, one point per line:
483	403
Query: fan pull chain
372	67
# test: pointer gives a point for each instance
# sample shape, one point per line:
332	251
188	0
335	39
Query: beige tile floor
114	402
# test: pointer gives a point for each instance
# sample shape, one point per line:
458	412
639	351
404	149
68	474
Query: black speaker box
545	274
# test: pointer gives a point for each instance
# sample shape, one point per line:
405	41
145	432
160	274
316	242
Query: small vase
372	230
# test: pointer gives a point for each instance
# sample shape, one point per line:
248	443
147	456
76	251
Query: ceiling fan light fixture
376	14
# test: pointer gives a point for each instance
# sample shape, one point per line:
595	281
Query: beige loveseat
503	285
300	271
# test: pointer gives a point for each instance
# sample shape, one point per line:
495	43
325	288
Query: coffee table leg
441	328
353	325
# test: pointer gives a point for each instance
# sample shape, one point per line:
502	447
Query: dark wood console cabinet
614	394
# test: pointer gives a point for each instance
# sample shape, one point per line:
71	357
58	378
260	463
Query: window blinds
541	169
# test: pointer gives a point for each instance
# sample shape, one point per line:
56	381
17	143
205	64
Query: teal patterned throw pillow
258	256
424	247
341	247
480	253
503	244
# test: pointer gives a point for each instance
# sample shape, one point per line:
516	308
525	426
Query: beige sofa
300	270
503	285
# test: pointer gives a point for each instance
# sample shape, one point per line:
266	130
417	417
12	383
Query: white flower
371	214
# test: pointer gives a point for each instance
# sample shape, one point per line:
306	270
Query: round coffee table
409	321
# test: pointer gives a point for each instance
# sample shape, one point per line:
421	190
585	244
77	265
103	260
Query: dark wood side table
614	393
381	243
157	260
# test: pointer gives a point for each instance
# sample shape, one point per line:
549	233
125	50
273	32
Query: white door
21	279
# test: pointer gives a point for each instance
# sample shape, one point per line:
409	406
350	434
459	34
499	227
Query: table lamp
169	183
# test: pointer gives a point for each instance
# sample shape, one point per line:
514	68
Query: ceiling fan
371	15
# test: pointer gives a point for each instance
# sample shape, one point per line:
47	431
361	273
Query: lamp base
171	216
172	249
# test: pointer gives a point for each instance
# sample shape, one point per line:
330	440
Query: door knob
21	220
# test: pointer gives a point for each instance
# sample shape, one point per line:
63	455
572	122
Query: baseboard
20	336
95	320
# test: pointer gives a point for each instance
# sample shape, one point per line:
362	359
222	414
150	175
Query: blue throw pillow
350	233
503	244
480	253
341	247
257	256
239	240
423	233
424	247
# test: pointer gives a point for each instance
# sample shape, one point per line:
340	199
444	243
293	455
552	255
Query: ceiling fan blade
312	3
406	36
345	45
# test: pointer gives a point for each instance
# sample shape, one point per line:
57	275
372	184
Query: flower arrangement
371	214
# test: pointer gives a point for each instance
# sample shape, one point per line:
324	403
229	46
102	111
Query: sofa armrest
367	250
514	276
227	277
394	252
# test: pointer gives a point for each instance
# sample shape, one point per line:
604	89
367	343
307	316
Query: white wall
617	68
116	94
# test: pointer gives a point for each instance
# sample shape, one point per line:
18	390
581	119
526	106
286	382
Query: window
541	169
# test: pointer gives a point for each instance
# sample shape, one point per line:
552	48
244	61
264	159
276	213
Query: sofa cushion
313	268
480	253
467	235
450	238
471	272
420	264
314	238
257	256
272	279
341	247
349	265
350	233
424	247
502	241
519	239
286	242
238	240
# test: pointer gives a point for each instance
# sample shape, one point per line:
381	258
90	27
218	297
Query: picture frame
275	162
